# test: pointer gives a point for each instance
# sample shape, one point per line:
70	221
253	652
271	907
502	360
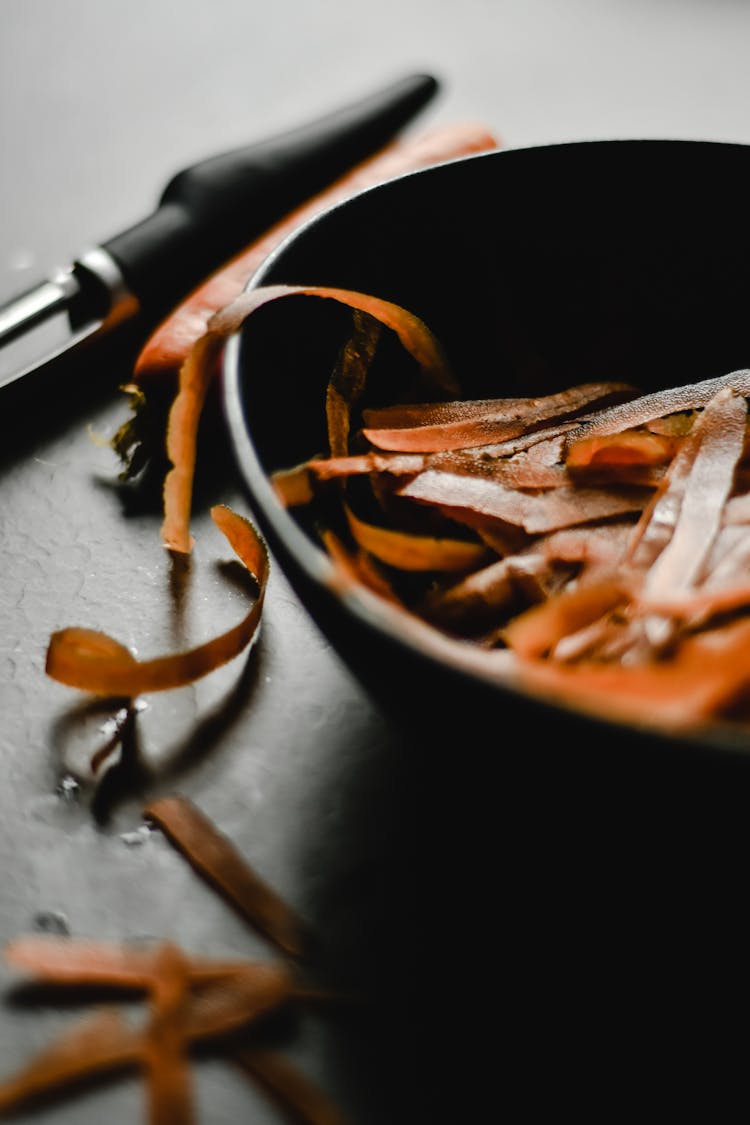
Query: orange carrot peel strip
92	661
464	425
216	859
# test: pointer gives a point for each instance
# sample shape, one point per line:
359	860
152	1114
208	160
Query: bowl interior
536	268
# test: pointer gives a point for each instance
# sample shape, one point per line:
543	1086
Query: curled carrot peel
197	372
92	661
166	349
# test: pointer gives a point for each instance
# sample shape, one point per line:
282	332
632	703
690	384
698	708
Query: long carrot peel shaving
217	859
196	374
594	543
92	661
433	427
198	368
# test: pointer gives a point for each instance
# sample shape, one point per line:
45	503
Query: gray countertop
99	105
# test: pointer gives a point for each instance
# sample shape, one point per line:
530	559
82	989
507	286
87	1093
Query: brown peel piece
92	661
463	425
217	860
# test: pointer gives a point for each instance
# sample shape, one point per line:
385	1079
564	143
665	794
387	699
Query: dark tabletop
99	105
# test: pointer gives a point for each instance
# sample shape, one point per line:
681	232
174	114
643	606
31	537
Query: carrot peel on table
93	661
217	859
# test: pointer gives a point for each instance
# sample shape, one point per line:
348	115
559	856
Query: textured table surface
99	105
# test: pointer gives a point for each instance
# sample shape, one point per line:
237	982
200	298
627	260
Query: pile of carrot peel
191	1000
612	542
590	545
95	662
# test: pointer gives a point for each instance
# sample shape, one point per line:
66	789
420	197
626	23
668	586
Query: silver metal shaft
37	304
61	313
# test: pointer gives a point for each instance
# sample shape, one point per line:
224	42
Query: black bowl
537	268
